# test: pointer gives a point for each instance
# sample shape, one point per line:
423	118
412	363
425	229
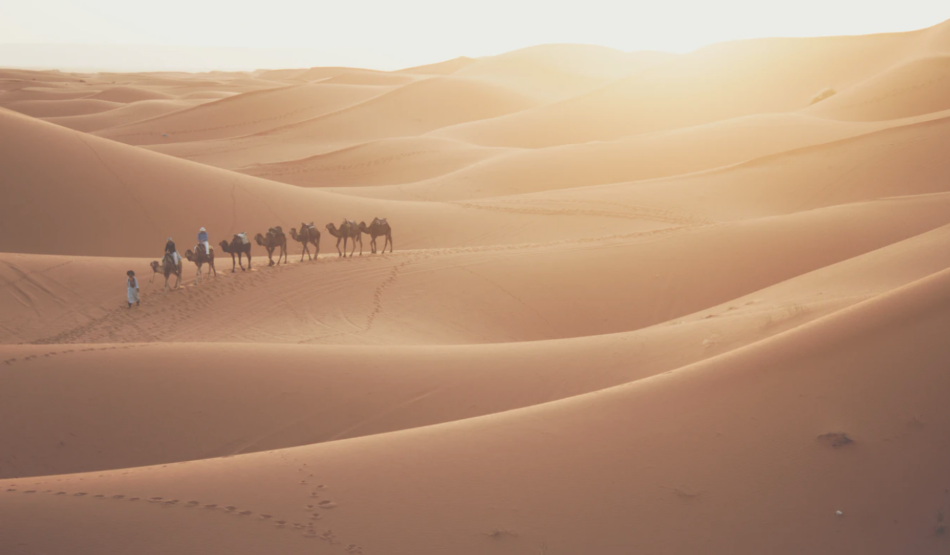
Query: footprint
134	498
211	506
193	504
265	517
245	513
327	504
60	493
100	496
80	494
30	491
118	497
230	508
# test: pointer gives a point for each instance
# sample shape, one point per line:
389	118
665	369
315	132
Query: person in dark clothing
170	249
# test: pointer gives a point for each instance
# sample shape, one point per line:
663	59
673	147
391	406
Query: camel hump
380	221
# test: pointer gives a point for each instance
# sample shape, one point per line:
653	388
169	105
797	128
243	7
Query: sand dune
447	67
557	71
148	196
622	448
61	108
638	303
245	114
733	80
383	162
130	94
130	113
634	158
412	109
920	86
370	78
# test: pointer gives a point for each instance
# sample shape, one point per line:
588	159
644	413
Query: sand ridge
637	303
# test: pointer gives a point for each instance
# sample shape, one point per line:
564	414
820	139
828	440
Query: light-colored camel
240	248
348	230
200	258
308	234
377	228
167	267
275	238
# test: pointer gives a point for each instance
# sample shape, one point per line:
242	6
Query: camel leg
248	261
361	245
270	256
338	239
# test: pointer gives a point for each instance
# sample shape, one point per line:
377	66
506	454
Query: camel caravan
275	238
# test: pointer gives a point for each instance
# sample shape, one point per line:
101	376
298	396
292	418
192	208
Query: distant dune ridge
637	303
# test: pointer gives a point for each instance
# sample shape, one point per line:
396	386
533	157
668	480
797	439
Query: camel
199	258
275	238
167	267
239	247
348	230
375	229
308	234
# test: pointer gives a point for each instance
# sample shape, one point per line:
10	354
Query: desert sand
637	303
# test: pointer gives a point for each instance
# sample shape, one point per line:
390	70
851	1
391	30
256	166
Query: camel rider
170	249
203	240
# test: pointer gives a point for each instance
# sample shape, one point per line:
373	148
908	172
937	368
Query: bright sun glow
386	34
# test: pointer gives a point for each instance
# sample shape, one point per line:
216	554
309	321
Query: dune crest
635	303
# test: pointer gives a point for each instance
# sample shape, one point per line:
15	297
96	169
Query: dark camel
377	228
348	230
167	267
275	238
308	234
200	258
240	248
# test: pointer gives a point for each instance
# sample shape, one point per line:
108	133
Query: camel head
331	227
189	255
363	227
293	234
224	245
156	267
260	239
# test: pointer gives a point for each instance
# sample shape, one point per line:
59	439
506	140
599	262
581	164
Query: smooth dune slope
61	108
634	158
658	452
731	79
558	71
244	114
901	161
125	115
412	109
919	86
332	404
382	162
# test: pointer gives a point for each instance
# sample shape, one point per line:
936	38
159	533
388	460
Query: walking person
133	289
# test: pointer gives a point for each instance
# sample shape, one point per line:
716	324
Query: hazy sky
398	33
